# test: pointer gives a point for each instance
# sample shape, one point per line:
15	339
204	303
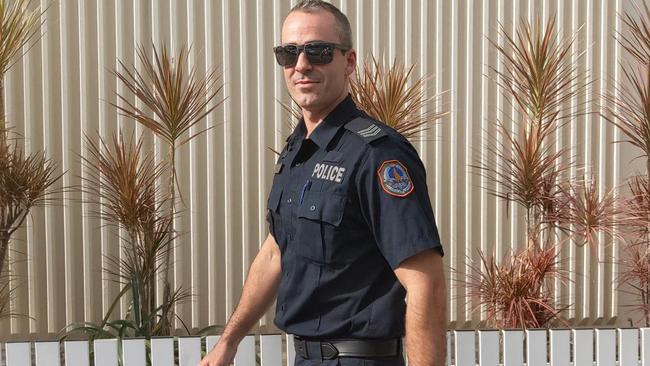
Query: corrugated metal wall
62	88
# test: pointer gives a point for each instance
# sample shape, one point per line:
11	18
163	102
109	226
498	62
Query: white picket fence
561	347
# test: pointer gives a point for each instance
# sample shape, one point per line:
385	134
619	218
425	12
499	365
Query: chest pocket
319	217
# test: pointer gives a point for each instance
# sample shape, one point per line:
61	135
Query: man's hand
426	308
221	355
260	289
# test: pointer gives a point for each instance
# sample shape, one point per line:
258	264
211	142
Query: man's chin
307	102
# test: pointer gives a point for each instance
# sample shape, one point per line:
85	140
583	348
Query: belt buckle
328	351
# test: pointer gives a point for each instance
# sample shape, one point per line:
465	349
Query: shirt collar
343	113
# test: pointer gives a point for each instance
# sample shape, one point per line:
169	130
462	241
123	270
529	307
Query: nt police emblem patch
395	179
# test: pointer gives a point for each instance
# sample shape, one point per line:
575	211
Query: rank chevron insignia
366	129
371	131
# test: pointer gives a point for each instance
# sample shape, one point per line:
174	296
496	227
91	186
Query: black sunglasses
317	53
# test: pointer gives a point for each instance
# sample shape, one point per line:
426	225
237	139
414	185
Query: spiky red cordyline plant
18	26
26	181
527	175
635	263
516	291
384	92
628	108
584	213
5	297
635	273
7	292
636	208
122	181
174	99
539	75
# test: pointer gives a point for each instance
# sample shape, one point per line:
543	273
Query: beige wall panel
63	87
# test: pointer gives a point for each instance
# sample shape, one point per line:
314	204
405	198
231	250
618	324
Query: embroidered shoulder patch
395	179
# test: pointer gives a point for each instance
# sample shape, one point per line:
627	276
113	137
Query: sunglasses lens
319	54
286	55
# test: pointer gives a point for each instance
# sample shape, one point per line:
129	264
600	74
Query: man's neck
314	118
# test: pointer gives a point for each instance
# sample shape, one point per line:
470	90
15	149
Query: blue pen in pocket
305	188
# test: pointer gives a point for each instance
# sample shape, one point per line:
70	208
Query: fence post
645	346
465	347
77	353
628	347
513	347
583	347
105	352
133	352
606	347
162	351
189	351
536	347
18	353
560	347
271	350
291	351
47	353
488	347
246	352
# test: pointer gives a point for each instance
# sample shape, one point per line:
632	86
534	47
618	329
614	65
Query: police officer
353	253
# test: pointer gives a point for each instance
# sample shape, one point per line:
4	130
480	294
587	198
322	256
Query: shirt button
312	208
289	200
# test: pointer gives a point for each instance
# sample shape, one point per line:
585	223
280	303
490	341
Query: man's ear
351	58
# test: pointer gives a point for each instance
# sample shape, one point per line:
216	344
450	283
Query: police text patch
328	172
395	179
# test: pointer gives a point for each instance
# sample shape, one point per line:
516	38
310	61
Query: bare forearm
260	289
426	308
426	324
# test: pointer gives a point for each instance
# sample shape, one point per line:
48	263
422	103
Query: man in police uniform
352	232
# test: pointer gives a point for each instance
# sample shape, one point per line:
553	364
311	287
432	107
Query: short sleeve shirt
348	205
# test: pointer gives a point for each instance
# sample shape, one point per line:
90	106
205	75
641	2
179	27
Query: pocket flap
333	156
327	208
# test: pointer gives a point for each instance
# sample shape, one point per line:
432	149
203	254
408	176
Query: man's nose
302	64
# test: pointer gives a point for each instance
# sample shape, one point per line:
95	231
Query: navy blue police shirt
347	206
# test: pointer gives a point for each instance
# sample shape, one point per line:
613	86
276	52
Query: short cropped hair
344	30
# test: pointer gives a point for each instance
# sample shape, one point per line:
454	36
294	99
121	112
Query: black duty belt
332	348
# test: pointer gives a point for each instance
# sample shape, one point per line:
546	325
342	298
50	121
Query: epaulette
367	129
